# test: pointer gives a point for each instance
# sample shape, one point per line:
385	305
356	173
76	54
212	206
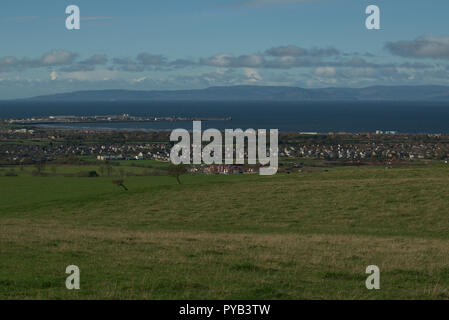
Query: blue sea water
405	117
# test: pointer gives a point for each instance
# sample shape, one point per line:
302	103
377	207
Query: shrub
11	173
93	174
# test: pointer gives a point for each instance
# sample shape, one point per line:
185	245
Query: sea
320	117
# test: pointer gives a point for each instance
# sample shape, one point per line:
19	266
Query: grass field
298	236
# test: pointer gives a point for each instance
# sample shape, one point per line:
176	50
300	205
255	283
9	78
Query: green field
306	235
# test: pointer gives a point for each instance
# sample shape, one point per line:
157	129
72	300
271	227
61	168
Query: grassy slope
295	236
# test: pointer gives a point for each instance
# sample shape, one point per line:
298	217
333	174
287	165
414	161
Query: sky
179	44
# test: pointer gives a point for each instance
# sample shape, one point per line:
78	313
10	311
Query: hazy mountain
266	93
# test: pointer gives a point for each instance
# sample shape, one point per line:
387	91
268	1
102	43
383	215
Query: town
102	118
28	145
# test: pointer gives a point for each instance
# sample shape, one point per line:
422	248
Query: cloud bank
419	61
423	47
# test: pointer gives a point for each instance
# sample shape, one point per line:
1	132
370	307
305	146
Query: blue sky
141	44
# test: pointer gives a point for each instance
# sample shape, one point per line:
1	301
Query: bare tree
120	183
176	171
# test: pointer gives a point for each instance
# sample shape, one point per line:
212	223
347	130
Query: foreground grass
299	236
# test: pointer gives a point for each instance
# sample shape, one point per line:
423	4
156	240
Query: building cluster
33	144
405	151
100	118
224	169
115	151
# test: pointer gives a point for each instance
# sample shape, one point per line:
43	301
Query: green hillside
291	236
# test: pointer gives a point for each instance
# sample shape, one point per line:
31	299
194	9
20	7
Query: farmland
305	235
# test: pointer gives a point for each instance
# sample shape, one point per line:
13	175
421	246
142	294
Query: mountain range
255	93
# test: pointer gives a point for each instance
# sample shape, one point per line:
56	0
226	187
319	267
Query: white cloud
96	75
219	60
138	80
325	71
57	57
252	75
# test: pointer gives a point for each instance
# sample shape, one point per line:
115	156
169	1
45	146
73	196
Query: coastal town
27	145
102	119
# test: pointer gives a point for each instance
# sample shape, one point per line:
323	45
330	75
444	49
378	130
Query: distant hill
254	93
